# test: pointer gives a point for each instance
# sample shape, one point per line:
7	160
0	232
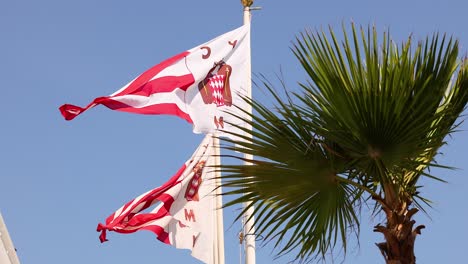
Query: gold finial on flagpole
247	3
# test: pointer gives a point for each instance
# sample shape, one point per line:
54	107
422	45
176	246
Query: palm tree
364	129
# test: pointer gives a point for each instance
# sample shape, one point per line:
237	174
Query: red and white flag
199	85
184	213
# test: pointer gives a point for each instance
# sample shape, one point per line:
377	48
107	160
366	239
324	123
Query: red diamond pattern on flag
217	82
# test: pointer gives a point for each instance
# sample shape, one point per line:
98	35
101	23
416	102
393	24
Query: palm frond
371	119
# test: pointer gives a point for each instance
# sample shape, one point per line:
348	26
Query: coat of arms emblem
215	88
191	193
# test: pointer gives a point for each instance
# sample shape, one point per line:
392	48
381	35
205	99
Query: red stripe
159	109
163	236
142	85
165	84
141	219
69	112
156	109
147	75
131	220
167	200
155	194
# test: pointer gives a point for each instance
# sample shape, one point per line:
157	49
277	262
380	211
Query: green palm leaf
367	124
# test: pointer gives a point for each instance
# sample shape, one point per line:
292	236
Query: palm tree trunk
398	231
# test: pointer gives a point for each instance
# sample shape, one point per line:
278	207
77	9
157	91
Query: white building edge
7	250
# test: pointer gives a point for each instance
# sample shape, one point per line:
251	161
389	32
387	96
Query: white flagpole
219	239
249	231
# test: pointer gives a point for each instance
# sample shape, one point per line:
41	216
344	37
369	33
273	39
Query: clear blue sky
59	179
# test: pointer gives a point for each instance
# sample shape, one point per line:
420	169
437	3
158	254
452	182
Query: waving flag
199	85
185	210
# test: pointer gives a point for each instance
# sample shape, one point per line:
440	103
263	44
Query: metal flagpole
248	219
219	240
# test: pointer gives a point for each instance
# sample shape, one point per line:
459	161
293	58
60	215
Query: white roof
7	250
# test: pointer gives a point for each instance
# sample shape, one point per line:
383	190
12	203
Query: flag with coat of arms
182	212
200	85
